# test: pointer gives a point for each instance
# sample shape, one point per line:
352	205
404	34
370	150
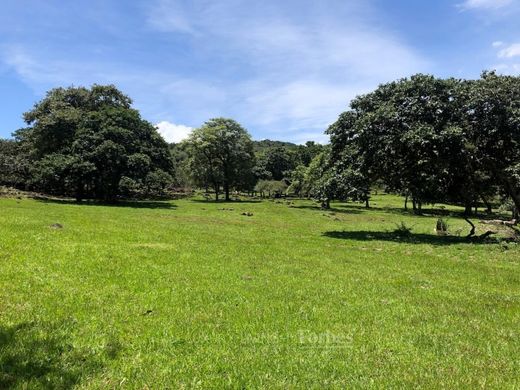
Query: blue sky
284	69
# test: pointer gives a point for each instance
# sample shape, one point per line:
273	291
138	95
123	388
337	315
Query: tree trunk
516	209
406	203
489	209
472	232
468	209
79	193
226	191
367	203
216	192
417	206
514	193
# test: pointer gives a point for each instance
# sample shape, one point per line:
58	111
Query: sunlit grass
195	294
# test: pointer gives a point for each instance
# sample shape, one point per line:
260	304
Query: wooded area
431	140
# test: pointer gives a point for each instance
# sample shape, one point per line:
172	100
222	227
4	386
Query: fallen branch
485	235
506	227
511	223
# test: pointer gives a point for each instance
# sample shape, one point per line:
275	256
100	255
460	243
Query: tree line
220	156
429	139
89	143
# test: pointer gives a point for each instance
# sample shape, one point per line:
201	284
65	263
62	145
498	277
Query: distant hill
263	145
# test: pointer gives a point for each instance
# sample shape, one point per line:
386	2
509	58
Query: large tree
221	155
493	130
90	143
435	140
14	164
279	162
411	136
305	153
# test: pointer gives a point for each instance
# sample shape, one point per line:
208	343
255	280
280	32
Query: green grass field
184	294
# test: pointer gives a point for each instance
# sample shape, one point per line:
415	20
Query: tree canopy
435	140
90	143
221	156
429	139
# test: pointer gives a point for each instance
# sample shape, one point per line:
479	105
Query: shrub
402	230
441	227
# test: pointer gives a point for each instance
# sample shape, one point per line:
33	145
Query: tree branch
472	232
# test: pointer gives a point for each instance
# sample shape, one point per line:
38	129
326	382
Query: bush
402	230
273	188
441	227
129	187
157	182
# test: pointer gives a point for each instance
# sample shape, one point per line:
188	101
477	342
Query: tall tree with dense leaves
350	172
493	119
319	180
221	155
14	164
435	140
90	143
278	161
305	153
405	134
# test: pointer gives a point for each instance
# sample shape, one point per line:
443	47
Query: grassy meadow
193	294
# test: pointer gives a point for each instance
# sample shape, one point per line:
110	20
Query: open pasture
194	294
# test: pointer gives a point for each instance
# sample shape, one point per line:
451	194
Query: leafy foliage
434	140
14	164
90	143
270	188
221	155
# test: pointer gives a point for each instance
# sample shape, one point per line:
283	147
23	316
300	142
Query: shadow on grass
332	210
34	356
360	208
353	208
412	238
138	204
427	212
226	201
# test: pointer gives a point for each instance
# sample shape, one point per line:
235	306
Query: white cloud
25	65
510	51
303	104
316	50
292	73
172	132
41	72
497	44
485	4
170	16
508	69
281	73
507	54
